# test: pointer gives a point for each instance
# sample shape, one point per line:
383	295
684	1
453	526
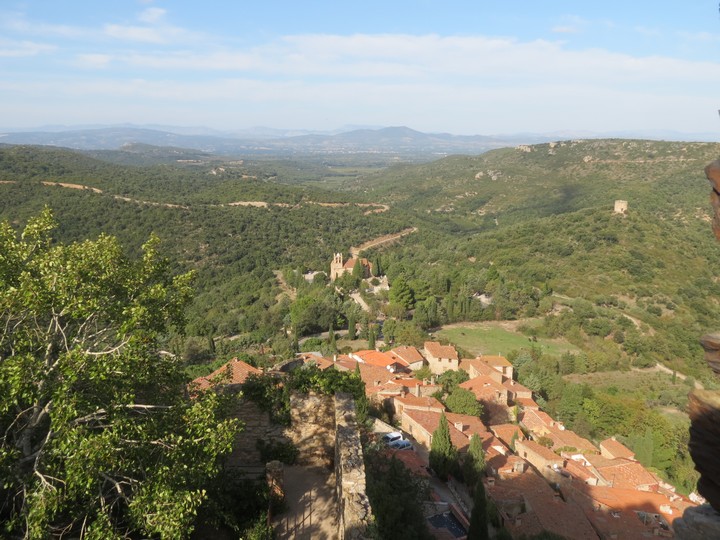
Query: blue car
401	445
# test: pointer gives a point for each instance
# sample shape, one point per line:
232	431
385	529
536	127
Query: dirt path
665	369
359	301
312	508
355	251
375	208
286	289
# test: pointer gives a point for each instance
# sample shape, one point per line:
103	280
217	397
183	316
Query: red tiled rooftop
544	510
441	351
234	372
495	360
624	473
478	365
411	400
483	387
527	403
566	438
617	449
375	358
538	449
409	354
506	432
533	419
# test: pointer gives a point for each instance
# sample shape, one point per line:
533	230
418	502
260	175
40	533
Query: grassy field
498	338
655	388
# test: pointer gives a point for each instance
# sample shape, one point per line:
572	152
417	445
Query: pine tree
443	455
478	519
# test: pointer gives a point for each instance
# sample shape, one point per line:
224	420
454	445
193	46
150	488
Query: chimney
334	358
459	426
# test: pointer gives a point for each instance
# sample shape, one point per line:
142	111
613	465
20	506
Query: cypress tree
351	326
371	337
478	519
443	455
331	338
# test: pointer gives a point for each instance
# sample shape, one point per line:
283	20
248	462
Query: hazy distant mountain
392	140
398	141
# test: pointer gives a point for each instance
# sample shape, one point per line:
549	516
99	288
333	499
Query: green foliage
463	401
451	379
473	466
478	518
284	451
396	497
443	455
97	430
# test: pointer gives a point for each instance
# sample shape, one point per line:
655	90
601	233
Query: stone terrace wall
355	511
313	429
256	425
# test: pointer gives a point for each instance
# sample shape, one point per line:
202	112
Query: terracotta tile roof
409	354
580	471
484	388
376	378
409	400
234	372
616	449
539	449
430	420
544	510
375	358
527	403
624	473
441	351
515	386
495	360
505	432
320	361
535	420
567	438
616	524
634	500
478	366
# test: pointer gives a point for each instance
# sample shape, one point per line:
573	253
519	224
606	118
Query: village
539	475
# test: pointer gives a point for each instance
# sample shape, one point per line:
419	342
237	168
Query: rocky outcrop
712	172
704	409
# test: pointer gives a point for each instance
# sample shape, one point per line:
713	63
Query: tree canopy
98	437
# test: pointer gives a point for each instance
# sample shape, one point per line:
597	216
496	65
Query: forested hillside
530	228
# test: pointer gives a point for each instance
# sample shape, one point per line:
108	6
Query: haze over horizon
459	67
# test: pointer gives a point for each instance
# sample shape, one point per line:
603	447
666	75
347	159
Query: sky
455	66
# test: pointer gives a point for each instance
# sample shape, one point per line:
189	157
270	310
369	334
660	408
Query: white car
392	437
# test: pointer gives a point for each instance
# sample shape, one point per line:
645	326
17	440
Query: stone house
543	459
441	358
410	355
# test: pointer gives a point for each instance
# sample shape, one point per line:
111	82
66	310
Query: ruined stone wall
313	429
256	425
355	511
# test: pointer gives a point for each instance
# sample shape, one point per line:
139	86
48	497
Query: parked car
401	444
391	437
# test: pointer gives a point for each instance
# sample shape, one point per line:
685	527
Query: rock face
712	172
704	408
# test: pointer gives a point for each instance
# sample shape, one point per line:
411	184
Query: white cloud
93	61
11	48
152	15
